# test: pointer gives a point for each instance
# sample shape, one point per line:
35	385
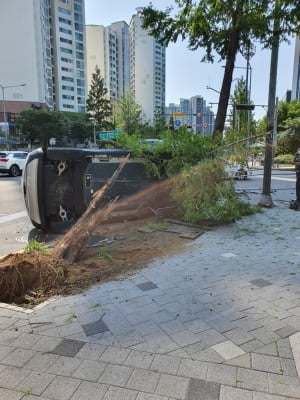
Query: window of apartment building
78	27
79	46
67	79
79	55
81	109
65	1
65	69
64	50
64	11
67	60
67	97
80	92
70	88
69	106
79	73
64	30
64	40
79	64
65	21
77	7
78	36
80	100
78	17
80	82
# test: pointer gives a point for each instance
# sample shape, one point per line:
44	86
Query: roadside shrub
284	159
204	194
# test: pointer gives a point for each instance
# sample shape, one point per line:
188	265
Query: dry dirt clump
28	279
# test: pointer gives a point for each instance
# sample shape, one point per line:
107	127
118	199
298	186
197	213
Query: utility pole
266	199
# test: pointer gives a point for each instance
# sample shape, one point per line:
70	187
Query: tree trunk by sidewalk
70	245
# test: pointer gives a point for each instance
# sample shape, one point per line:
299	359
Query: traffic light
248	107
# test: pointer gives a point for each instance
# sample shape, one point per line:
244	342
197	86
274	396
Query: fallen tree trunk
70	245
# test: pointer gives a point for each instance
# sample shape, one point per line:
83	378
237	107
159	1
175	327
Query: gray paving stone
95	327
41	361
147	396
265	335
18	357
165	364
158	343
147	286
288	367
4	351
269	349
208	355
253	345
91	351
197	326
68	347
286	331
284	385
65	366
239	336
243	361
6	394
231	393
90	391
284	348
211	337
46	343
222	325
89	370
36	383
228	350
265	396
139	359
11	377
115	393
172	386
61	388
114	355
266	363
223	374
252	380
198	389
173	326
25	340
142	380
193	369
116	375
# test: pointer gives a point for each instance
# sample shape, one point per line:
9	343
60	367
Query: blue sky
186	76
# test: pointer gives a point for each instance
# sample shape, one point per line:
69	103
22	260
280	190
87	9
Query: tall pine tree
97	103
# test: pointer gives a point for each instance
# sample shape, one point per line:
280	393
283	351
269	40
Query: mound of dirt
28	279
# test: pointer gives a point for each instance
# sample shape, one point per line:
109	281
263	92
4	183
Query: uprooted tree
71	244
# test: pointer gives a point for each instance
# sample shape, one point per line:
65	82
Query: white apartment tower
69	62
296	72
45	52
147	69
108	48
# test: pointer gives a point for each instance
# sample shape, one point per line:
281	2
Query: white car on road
12	162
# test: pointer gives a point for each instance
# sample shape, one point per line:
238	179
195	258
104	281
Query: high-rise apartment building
68	50
147	70
108	48
43	48
296	72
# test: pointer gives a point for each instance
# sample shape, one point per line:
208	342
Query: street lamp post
6	127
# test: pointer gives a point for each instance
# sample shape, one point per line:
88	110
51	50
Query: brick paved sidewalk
212	323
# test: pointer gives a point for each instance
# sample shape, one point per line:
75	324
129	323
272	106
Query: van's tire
14	171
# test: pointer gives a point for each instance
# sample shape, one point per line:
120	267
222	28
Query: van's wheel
14	170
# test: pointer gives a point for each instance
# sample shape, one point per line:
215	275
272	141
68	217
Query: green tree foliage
288	127
97	103
222	28
129	114
204	194
41	125
79	127
177	150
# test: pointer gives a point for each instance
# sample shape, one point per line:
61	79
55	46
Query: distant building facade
108	48
43	49
147	70
296	72
192	113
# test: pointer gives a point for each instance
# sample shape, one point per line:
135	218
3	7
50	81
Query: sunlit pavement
211	323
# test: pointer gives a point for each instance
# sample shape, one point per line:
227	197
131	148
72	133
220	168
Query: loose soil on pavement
28	279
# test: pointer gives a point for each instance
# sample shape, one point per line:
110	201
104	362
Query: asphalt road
16	227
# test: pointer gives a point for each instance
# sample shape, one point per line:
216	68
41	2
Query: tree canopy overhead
223	28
